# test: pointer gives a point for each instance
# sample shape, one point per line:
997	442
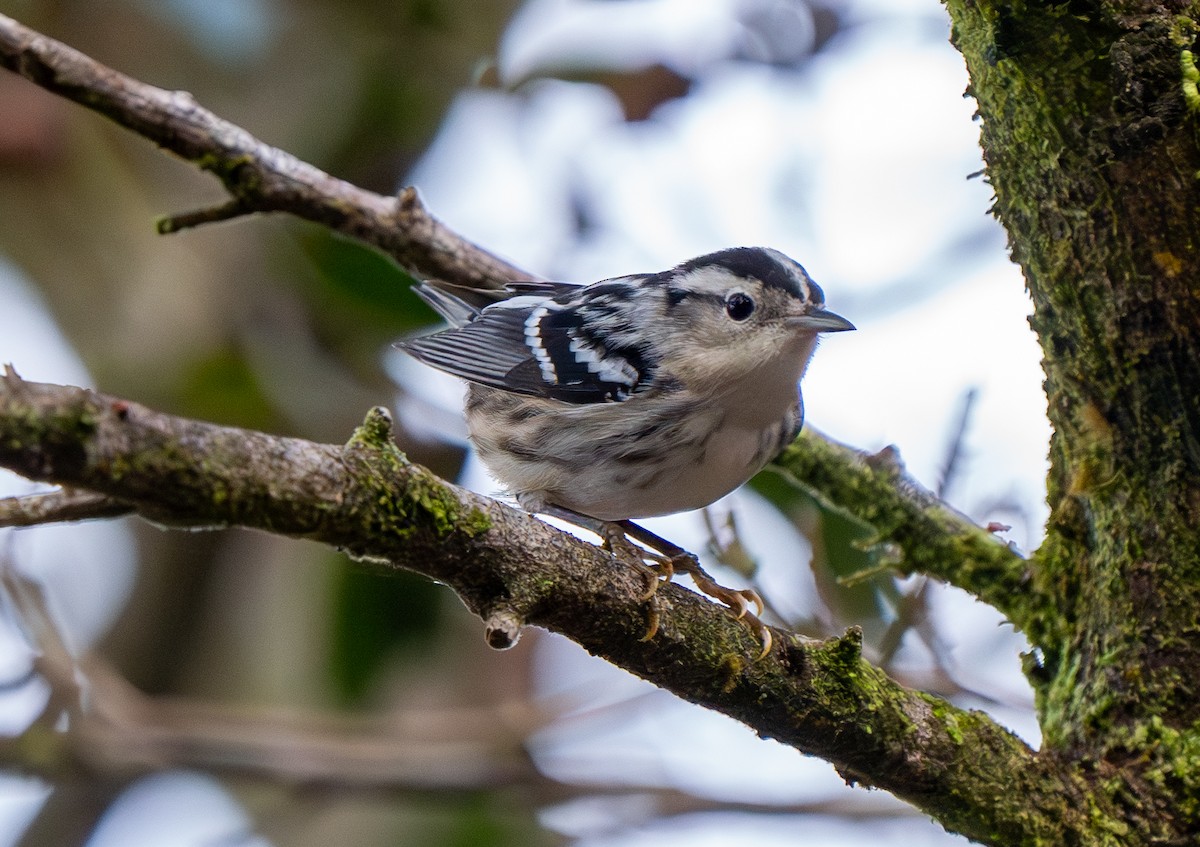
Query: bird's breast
615	461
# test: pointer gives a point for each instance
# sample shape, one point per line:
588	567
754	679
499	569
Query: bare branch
234	208
952	463
56	506
259	178
28	603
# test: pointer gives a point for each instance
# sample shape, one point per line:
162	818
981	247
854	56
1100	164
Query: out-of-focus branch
116	730
61	505
123	730
258	177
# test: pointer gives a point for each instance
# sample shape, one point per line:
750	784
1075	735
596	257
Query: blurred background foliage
277	325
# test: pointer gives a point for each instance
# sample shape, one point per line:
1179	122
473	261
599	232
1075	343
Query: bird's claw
657	566
739	600
652	618
626	551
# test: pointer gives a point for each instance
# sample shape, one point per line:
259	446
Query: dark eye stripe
675	296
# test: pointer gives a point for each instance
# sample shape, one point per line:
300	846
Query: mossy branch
365	497
930	537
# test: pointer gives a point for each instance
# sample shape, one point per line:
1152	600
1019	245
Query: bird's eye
739	305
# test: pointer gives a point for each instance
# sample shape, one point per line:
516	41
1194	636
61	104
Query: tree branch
258	177
61	505
935	539
929	536
367	498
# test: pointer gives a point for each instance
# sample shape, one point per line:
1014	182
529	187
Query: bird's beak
819	320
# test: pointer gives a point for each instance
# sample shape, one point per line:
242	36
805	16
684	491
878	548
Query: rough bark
1090	135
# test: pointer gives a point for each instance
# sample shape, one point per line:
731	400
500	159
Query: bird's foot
649	564
670	559
739	600
658	560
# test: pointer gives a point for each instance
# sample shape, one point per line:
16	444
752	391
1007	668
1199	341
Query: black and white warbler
635	396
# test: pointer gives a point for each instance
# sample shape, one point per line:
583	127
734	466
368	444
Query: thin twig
58	506
186	220
25	600
952	464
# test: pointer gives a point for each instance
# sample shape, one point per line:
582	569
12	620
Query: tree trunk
1090	136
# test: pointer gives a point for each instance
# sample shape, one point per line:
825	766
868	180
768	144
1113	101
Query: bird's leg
666	559
678	559
615	542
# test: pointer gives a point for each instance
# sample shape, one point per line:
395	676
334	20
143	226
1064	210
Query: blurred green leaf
358	300
223	387
484	821
845	564
362	280
377	618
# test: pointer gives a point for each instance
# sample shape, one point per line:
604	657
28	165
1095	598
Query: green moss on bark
1089	132
429	504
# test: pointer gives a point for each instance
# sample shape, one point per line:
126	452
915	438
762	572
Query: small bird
635	396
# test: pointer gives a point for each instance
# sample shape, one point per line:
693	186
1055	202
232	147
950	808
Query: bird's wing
531	343
460	304
484	349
